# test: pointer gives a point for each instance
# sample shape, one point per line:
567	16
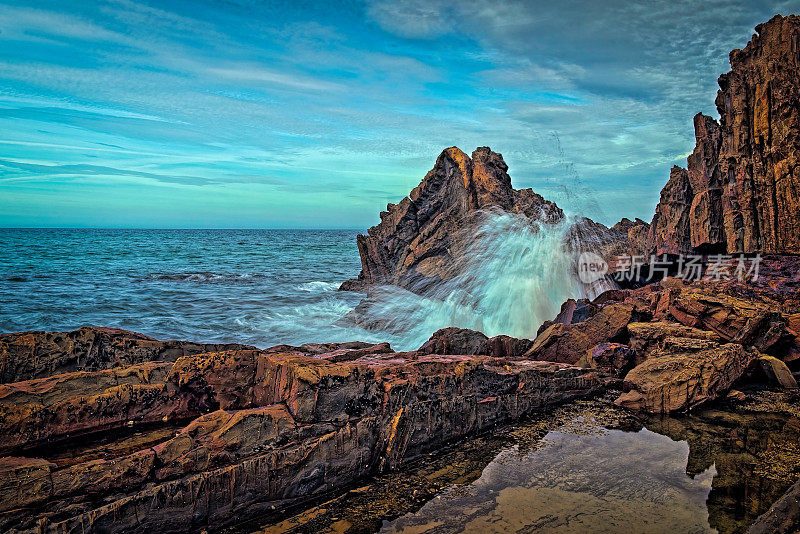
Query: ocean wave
318	286
513	276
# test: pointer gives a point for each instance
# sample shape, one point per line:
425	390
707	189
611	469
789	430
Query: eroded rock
740	190
418	239
673	382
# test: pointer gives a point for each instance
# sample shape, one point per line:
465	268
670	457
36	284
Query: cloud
16	169
302	104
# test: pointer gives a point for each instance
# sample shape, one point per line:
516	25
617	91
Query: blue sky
301	114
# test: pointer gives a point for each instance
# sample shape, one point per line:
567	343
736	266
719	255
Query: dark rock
740	192
454	340
415	244
783	517
613	358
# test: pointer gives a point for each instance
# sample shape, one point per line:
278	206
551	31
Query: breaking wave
513	276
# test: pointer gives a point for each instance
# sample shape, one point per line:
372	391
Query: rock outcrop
671	382
741	189
415	244
28	355
453	340
219	437
783	517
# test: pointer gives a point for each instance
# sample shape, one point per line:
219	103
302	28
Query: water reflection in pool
586	467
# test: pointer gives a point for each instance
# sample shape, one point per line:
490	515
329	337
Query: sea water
265	287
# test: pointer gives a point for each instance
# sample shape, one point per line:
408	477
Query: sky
259	114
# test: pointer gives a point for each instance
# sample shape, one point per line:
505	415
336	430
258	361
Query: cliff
740	191
417	239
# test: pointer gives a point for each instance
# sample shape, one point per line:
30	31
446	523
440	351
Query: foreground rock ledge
230	434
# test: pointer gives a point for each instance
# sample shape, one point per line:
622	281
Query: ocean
266	287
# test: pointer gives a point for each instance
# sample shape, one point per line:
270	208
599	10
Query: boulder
569	343
647	337
673	382
747	322
777	372
454	340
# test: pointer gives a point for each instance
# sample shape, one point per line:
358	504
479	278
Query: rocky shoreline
108	430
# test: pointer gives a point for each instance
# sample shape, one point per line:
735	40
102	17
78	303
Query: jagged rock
740	321
28	355
415	244
672	382
452	340
740	192
669	231
569	343
572	311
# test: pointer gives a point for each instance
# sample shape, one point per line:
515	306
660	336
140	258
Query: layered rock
219	437
28	355
741	189
417	241
677	381
679	344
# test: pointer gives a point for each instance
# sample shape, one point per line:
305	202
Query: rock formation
218	437
741	189
27	355
415	244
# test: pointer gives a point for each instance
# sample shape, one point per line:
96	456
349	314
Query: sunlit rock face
418	241
741	189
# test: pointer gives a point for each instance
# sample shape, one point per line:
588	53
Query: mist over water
265	287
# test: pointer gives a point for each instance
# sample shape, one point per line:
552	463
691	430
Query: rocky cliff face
415	244
741	189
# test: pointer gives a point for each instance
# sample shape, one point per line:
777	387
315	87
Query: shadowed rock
415	244
740	191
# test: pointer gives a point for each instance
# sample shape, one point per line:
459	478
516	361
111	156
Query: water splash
514	275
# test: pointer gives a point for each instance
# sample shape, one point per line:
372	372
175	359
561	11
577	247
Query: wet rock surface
728	469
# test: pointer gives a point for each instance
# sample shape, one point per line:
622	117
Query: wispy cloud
288	110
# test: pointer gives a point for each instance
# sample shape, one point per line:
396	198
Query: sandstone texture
741	189
418	239
27	355
222	436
